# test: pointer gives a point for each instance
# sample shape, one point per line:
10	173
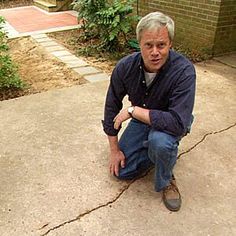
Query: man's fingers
121	117
117	170
122	163
114	169
117	124
115	118
117	161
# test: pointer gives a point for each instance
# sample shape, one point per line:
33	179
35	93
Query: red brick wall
198	23
225	38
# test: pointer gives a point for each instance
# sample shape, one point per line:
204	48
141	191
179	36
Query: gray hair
155	20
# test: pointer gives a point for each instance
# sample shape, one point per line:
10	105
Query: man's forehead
162	29
155	36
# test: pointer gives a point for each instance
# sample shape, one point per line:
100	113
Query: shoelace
171	187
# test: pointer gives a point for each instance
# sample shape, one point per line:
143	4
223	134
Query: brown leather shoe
171	196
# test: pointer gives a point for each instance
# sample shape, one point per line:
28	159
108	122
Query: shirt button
146	93
143	82
144	105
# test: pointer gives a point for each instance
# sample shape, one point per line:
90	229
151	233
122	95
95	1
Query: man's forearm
142	115
113	142
138	113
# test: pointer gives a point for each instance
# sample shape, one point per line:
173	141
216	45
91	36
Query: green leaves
111	20
9	77
133	43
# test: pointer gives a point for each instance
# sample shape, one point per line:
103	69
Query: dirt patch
42	71
38	69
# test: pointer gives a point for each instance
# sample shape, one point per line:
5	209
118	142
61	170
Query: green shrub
87	10
9	77
109	20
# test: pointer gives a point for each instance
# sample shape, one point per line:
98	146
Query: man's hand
117	160
120	118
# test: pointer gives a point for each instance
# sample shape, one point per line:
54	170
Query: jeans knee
160	141
162	148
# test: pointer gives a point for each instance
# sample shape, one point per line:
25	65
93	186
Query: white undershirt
149	77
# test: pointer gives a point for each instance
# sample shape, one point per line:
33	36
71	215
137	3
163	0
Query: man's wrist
131	111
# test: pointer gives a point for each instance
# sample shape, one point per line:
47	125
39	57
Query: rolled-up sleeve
113	103
177	118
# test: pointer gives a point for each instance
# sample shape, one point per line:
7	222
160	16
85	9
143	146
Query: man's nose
155	51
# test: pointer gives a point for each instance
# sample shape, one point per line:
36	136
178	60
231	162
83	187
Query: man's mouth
155	61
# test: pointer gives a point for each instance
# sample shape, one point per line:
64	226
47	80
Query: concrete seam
224	63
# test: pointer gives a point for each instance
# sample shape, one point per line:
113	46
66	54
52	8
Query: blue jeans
144	147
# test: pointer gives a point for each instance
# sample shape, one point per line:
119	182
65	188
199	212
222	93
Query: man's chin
155	69
156	66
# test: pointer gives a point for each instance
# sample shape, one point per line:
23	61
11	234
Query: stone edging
78	65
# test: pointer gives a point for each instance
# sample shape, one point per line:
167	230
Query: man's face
155	46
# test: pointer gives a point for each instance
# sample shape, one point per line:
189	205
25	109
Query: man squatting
160	84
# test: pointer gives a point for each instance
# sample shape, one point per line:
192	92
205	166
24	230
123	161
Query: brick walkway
23	21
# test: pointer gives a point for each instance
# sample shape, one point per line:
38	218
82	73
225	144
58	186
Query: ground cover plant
38	69
9	77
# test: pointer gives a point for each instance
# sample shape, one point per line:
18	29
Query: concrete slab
229	59
75	63
39	36
54	175
35	162
86	70
97	77
48	44
61	53
56	48
215	106
43	39
9	29
208	204
69	58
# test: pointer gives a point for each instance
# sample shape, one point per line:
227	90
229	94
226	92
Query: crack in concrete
94	209
130	183
204	137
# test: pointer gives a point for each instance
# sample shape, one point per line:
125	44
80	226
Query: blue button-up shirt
170	96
